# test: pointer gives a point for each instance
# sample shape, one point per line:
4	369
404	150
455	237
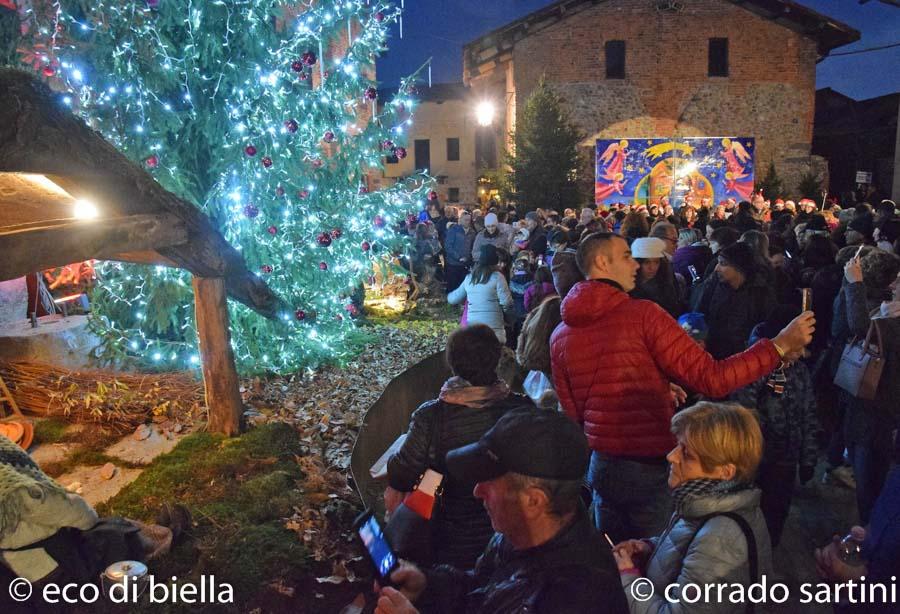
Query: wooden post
220	378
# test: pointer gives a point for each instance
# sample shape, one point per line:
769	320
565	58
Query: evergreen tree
545	161
771	185
262	112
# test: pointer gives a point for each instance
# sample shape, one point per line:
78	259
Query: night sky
439	28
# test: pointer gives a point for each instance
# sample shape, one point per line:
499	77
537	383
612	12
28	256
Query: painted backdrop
642	171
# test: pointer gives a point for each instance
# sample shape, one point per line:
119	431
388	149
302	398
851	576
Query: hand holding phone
379	551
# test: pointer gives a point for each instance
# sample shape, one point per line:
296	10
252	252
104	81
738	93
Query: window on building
452	150
453	195
423	154
718	57
615	59
391	159
485	149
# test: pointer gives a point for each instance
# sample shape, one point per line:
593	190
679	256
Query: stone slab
94	489
143	452
65	342
13	300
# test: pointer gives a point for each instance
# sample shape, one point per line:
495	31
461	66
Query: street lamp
484	113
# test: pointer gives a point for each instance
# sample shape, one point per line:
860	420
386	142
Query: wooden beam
220	378
58	243
145	257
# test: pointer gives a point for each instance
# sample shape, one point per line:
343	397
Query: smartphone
695	277
806	294
858	252
377	547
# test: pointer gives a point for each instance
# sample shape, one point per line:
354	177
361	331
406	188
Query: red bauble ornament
272	230
432	195
328	137
378	221
48	71
365	246
308	58
152	161
266	268
324	239
323	266
279	191
250	150
267	161
251	211
379	16
291	125
304	76
388	144
336	233
400	152
371	93
411	219
351	309
317	163
363	189
297	66
300	315
304	194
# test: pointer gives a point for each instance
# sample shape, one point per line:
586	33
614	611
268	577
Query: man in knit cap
492	234
734	300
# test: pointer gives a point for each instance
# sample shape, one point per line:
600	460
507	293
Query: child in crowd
784	402
541	288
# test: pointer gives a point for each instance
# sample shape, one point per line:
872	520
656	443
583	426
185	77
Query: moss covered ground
239	491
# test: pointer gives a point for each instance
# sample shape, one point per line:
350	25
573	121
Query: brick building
668	68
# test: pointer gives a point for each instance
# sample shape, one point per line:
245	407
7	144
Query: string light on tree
249	118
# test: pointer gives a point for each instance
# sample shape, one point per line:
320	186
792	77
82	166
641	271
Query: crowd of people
692	358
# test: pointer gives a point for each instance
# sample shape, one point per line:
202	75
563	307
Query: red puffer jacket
613	358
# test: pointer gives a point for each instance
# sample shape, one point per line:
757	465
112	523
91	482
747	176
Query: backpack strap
752	553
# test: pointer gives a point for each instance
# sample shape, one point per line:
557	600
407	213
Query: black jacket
732	314
461	526
572	573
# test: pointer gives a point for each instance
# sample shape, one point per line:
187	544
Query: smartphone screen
380	553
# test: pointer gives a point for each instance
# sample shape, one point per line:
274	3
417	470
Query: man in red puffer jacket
617	366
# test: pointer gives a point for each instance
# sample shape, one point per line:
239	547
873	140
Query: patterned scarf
702	487
458	391
777	380
19	471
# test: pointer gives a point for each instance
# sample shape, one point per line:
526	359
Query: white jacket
486	302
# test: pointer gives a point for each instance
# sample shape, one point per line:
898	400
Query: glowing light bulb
85	210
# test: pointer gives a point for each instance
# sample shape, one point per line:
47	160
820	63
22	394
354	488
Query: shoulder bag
862	363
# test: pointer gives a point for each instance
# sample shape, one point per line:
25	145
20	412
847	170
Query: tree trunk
220	378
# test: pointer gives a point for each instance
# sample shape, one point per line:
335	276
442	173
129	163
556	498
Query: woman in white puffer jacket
487	292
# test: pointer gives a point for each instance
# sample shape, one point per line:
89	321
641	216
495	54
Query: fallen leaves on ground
327	406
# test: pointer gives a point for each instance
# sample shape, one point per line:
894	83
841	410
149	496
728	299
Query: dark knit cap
740	256
488	255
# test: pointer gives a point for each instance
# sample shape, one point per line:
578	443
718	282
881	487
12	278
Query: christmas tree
264	114
545	155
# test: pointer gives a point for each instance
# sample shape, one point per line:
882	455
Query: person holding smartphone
545	556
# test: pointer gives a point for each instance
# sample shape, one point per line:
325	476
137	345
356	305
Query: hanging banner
646	170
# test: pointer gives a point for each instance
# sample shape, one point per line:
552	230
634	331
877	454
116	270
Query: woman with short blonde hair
722	435
717	534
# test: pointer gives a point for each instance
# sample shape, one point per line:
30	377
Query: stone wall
769	93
